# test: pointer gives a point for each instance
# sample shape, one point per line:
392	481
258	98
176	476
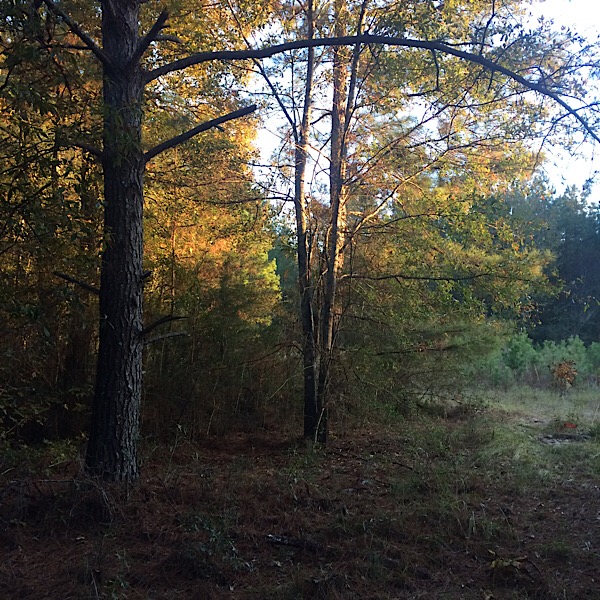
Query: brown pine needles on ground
474	507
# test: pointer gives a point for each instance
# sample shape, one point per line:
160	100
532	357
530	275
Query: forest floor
499	503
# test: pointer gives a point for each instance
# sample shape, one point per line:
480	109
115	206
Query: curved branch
400	277
179	139
202	57
158	322
164	336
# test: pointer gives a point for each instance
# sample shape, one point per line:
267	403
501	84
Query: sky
583	16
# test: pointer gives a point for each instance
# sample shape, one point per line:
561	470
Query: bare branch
278	98
179	139
82	284
470	277
352	88
267	79
76	29
487	27
421	349
165	336
202	57
168	38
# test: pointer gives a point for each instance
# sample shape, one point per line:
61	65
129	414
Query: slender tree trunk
309	341
345	75
112	447
305	284
335	238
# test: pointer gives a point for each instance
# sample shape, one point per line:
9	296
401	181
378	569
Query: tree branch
399	277
266	77
88	148
76	29
168	38
179	139
165	336
158	322
151	36
420	349
202	57
85	286
278	99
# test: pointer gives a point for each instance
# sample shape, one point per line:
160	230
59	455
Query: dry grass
457	508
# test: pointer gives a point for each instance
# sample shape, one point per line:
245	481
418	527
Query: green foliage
429	283
209	259
50	213
520	355
436	254
566	226
207	247
523	361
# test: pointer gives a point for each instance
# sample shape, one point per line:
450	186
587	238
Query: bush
523	362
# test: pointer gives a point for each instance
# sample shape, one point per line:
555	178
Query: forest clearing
496	502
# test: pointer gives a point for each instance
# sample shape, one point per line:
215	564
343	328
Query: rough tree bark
114	432
304	235
333	255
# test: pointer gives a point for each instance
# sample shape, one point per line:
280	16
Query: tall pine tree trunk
112	446
335	237
345	75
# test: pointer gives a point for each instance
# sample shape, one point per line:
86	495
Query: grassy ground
499	504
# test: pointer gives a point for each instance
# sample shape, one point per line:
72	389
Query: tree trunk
345	74
307	320
112	446
305	284
335	238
